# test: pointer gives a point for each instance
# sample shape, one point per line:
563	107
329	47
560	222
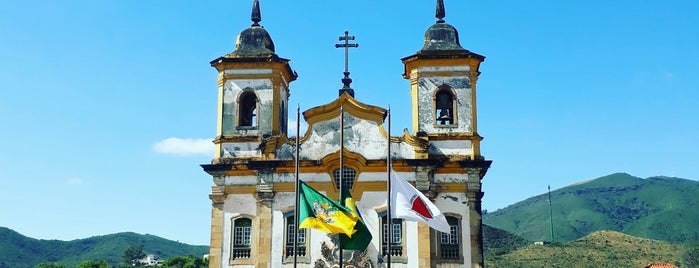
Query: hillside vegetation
660	208
599	249
20	251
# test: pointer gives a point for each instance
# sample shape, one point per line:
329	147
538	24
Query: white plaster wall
428	84
360	136
232	89
450	178
451	147
457	203
240	180
241	149
234	206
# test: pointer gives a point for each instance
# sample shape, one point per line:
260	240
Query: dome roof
442	36
253	41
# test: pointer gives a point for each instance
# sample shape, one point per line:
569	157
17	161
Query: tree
49	265
186	262
691	256
133	254
93	264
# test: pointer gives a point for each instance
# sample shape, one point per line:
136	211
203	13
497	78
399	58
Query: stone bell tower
253	92
443	79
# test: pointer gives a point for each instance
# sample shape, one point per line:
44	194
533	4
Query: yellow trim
349	105
412	65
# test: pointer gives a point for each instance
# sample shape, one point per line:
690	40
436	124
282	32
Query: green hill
660	208
20	251
498	242
599	249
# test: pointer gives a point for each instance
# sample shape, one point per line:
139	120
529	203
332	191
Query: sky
108	107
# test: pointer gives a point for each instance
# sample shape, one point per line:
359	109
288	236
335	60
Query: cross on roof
346	45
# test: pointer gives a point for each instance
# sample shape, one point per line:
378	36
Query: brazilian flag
362	237
317	211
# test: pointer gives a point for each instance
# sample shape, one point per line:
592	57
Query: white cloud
184	147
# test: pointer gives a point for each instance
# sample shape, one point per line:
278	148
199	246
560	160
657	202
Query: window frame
345	178
444	89
235	247
394	258
243	98
289	258
455	237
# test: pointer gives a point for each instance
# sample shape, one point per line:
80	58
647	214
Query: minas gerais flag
362	237
317	211
410	204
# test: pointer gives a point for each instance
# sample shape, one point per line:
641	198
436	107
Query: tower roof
254	44
254	41
442	40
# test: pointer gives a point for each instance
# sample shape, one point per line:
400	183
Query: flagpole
342	172
388	190
296	189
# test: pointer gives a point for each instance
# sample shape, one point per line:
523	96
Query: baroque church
254	166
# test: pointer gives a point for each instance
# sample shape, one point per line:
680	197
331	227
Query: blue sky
108	107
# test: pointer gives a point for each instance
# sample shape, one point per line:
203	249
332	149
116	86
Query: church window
449	247
348	175
444	106
289	241
247	112
396	236
242	229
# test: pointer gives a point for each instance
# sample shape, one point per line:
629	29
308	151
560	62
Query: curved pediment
350	105
363	133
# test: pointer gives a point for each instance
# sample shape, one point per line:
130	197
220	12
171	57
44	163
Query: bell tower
443	79
253	92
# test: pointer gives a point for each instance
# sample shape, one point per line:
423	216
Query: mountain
598	249
660	208
20	251
499	242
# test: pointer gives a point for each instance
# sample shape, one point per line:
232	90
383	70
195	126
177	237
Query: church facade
253	193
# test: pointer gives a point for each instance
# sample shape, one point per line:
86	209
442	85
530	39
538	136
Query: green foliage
599	249
659	208
93	264
499	242
133	254
49	265
190	261
691	256
18	251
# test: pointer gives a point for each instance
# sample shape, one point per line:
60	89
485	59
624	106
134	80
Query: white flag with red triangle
410	204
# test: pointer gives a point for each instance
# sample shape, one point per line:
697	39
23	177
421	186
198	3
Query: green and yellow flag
362	237
317	211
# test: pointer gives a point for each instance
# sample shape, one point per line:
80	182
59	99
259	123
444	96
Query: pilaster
475	196
217	197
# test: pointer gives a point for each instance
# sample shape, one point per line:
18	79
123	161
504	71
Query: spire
346	81
256	17
440	14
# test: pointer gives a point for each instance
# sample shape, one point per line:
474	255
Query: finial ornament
256	17
346	81
440	14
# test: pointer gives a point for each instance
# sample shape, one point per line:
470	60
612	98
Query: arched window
444	104
242	229
396	237
348	175
247	109
449	246
289	241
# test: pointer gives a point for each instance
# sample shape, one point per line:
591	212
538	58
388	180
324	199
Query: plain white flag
410	204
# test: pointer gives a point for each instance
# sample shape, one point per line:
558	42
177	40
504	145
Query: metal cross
346	45
346	81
